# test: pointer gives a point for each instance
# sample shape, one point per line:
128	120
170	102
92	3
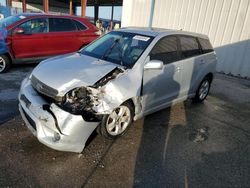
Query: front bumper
55	127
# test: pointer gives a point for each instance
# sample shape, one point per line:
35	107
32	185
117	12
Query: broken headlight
77	101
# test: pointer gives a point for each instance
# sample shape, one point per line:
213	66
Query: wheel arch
136	104
132	102
9	56
210	76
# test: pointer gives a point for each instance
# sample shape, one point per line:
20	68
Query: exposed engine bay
110	76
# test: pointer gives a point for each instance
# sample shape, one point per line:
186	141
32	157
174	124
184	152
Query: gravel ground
187	145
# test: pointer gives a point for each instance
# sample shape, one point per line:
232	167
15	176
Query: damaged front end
91	101
79	102
53	126
64	122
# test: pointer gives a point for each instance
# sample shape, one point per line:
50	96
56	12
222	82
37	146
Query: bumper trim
30	127
29	119
74	130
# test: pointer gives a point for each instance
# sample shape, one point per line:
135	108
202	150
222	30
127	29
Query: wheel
203	90
4	63
118	122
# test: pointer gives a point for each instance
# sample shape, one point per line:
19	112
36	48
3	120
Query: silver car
117	79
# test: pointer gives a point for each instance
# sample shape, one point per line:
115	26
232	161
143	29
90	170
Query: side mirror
154	64
19	31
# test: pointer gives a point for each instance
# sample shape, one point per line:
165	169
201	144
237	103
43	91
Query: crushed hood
67	72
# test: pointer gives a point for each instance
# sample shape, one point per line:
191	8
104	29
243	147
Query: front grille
31	122
43	88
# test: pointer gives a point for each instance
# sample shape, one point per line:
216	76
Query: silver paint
150	87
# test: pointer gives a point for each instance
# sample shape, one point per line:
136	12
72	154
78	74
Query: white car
119	78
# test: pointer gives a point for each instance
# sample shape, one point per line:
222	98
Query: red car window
61	25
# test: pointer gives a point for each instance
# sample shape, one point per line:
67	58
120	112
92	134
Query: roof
45	14
28	14
157	31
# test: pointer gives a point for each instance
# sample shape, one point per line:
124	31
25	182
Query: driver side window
165	50
39	25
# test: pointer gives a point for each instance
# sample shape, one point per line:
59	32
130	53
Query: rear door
84	34
193	61
62	36
163	86
207	50
32	42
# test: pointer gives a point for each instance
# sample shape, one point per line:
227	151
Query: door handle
177	69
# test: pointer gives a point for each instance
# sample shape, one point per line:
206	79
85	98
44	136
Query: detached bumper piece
53	126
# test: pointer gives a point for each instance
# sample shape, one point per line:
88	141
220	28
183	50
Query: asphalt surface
9	87
187	145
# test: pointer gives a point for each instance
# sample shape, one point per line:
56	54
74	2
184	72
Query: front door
161	87
32	42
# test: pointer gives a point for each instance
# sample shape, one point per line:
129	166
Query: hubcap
2	64
118	120
204	89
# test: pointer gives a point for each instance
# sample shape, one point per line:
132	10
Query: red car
27	37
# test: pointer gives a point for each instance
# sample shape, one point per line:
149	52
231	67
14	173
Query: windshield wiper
109	50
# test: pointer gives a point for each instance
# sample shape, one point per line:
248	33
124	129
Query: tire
113	126
5	63
203	90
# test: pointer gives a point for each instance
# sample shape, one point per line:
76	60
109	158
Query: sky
3	2
104	12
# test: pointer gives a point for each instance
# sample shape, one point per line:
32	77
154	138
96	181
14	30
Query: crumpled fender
117	91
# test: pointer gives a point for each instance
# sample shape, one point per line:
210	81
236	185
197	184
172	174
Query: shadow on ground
156	152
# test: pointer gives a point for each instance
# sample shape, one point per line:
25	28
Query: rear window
61	25
189	47
206	45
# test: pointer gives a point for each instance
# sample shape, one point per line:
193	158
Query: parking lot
187	145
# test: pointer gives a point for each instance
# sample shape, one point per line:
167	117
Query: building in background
51	6
226	22
12	7
37	6
110	9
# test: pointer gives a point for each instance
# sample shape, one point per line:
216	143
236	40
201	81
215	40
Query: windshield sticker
22	17
139	37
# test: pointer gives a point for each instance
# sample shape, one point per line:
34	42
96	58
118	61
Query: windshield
119	47
10	20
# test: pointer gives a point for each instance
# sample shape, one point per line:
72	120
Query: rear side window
80	26
189	47
165	50
206	45
61	25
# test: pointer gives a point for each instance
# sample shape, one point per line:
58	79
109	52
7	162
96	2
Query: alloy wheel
2	64
118	120
204	89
